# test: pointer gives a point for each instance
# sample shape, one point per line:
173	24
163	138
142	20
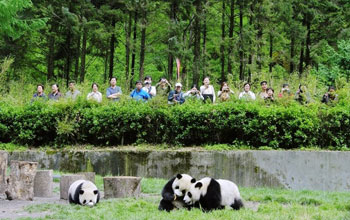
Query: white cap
178	84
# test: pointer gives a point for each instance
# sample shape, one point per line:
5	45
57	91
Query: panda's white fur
83	192
182	184
214	194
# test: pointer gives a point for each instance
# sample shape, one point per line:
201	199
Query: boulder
43	183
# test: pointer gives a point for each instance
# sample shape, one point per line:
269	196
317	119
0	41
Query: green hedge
128	122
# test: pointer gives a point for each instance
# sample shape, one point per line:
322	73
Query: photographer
151	90
225	91
163	87
194	93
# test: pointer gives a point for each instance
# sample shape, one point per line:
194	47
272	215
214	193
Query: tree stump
88	176
3	167
66	181
20	183
43	183
122	186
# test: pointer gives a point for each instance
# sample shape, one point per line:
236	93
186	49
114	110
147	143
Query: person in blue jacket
139	93
176	96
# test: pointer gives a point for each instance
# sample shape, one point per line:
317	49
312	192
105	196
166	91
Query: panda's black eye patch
183	191
84	201
189	194
177	187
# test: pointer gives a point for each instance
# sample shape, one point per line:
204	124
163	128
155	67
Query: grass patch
272	204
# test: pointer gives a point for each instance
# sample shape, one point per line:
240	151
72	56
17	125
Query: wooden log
89	176
122	186
20	183
43	183
66	181
3	168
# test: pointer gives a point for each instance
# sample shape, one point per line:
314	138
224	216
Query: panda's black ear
95	192
81	192
179	176
198	185
193	180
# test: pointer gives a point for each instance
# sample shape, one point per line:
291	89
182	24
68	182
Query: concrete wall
287	169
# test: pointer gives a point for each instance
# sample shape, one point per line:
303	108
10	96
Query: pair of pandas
183	191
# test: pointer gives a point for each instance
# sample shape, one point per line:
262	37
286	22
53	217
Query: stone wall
287	169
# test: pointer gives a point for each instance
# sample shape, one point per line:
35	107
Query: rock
122	186
66	181
3	167
88	176
20	183
43	183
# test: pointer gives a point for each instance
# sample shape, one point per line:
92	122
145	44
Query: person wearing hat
139	93
176	96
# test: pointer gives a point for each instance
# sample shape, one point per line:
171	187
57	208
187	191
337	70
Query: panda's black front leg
165	205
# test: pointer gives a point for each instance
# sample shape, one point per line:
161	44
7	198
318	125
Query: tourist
151	90
270	95
302	95
138	93
330	96
114	92
285	92
194	93
55	94
247	94
73	92
163	87
224	93
95	94
176	96
263	92
207	90
39	95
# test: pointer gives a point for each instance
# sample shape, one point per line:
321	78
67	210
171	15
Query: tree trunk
259	37
111	55
204	42
83	55
172	15
106	65
127	47
241	54
232	25
222	46
197	41
292	42
308	44
68	54
143	42
301	59
77	58
271	50
51	55
133	56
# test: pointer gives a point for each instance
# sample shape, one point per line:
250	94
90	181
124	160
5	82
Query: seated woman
224	93
207	90
95	94
194	93
330	96
247	94
39	93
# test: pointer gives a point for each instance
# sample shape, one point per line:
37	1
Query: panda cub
214	194
83	192
174	192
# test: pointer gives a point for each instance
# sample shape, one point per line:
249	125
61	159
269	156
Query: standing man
114	92
176	96
73	93
139	93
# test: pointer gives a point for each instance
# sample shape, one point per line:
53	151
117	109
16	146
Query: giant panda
174	192
214	194
83	192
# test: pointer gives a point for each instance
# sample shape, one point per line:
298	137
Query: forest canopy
246	40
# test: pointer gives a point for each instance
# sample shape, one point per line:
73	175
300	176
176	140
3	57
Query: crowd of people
144	91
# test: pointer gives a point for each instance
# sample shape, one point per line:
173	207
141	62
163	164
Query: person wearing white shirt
247	94
95	94
151	90
207	90
194	93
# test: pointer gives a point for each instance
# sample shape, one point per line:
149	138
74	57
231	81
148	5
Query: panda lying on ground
174	192
214	194
83	192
